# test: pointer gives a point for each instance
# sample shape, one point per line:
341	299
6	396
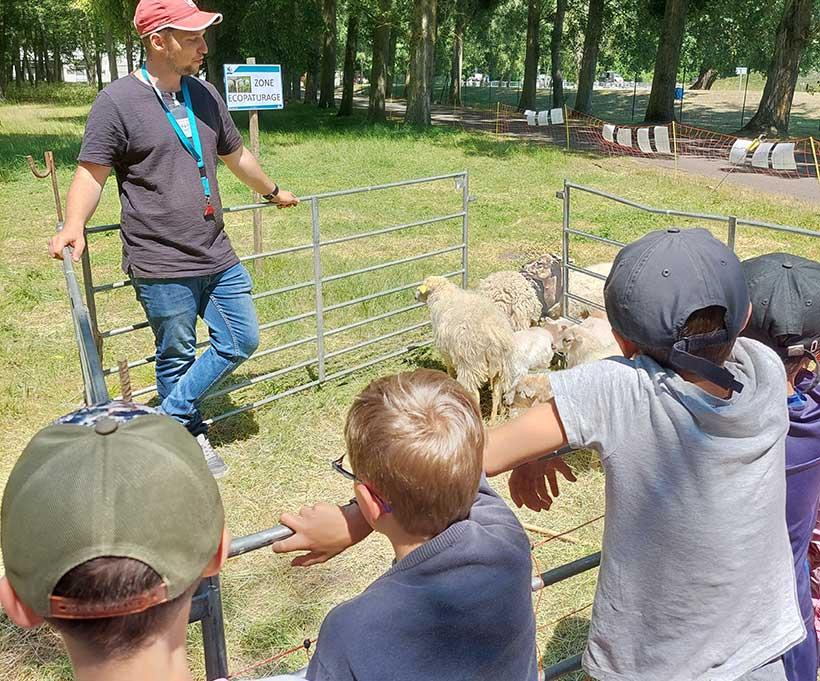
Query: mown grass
279	455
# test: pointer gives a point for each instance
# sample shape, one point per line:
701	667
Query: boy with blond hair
456	604
110	519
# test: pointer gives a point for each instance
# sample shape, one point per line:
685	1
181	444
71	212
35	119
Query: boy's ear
368	504
18	612
217	562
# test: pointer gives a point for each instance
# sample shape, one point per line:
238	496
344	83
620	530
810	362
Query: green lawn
279	455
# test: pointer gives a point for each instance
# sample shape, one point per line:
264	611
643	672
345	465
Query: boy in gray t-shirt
696	579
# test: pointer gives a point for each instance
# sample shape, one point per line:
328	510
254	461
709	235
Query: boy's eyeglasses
350	475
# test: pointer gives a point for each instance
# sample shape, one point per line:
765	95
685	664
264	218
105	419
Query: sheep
530	389
544	275
474	337
514	296
588	341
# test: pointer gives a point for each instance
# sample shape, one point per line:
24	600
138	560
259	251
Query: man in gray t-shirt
696	580
162	130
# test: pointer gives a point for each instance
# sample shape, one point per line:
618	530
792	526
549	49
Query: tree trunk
88	62
706	78
129	48
312	78
98	68
661	107
589	60
379	80
296	87
391	64
792	36
112	54
457	69
422	53
527	100
214	61
4	61
349	76
556	72
327	86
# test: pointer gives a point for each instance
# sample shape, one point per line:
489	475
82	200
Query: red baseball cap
154	15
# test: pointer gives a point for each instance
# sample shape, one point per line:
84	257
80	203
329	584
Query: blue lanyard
193	146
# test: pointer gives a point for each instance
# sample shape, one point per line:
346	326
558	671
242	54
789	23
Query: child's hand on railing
323	530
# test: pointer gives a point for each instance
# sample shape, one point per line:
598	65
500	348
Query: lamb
474	337
588	341
531	389
514	296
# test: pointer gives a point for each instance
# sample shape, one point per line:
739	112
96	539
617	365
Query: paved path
803	189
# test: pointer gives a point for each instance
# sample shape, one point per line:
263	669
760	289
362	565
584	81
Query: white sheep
474	337
533	350
588	341
529	390
514	296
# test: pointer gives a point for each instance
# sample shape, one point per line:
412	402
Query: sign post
743	71
251	87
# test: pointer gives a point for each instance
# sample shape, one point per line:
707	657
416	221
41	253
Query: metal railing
319	280
730	221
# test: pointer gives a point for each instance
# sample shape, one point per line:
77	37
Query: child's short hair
418	438
112	580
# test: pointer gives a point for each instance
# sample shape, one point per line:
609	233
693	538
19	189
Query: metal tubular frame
318	282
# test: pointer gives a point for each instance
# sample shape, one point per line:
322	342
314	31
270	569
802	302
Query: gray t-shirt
165	233
696	580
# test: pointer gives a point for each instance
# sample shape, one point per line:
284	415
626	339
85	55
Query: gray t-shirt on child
696	580
165	233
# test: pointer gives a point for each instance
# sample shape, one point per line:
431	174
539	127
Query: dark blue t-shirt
802	497
458	608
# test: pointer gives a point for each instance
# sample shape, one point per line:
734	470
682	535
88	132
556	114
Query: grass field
279	455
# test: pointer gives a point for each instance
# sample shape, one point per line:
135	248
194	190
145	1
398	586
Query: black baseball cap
658	281
785	294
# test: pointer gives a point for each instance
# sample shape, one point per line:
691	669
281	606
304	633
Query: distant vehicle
612	78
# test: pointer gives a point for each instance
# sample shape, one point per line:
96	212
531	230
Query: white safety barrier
530	116
543	118
625	137
662	140
643	141
738	152
760	159
609	132
557	116
783	157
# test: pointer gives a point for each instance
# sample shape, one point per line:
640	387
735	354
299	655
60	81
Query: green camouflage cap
113	480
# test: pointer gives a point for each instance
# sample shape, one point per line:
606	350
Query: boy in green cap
110	519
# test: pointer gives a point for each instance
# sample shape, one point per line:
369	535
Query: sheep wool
514	296
474	337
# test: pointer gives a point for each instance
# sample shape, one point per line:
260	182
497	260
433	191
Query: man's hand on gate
67	237
323	530
285	199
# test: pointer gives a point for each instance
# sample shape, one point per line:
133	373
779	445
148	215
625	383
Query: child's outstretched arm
518	445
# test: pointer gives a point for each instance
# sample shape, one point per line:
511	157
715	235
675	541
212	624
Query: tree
327	79
527	100
589	60
791	38
556	72
661	107
379	76
706	78
423	50
348	79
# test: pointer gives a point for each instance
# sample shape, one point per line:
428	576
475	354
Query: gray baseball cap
658	281
785	293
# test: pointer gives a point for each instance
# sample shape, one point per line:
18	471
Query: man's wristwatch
273	194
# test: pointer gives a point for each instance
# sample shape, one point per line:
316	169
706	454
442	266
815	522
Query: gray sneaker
216	464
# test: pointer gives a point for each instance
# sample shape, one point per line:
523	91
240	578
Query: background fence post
465	204
732	232
565	252
213	630
253	130
317	281
566	123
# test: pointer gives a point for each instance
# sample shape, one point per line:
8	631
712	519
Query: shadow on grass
568	640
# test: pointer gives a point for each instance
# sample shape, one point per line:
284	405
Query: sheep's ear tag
422	289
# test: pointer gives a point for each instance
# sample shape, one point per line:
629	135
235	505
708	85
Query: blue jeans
172	306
